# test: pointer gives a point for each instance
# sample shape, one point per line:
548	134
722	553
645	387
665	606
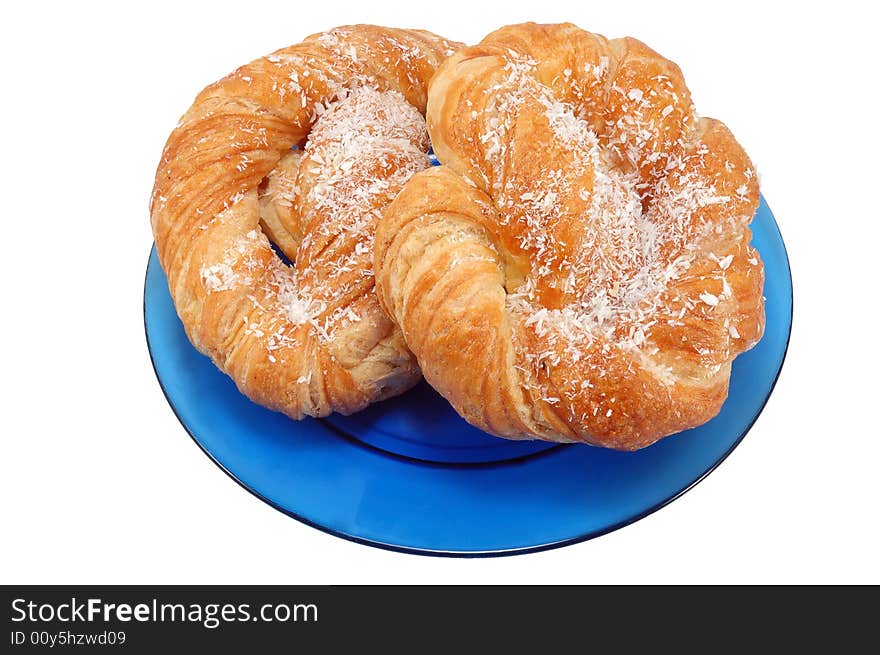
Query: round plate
409	474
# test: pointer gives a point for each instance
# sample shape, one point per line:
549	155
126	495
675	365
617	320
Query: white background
101	484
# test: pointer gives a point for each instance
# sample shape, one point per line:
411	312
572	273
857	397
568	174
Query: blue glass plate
409	474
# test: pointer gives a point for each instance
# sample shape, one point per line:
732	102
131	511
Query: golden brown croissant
306	339
579	269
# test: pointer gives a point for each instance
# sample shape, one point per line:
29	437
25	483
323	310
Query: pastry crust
579	269
306	339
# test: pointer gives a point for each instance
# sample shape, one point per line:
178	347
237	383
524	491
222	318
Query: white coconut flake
709	299
218	277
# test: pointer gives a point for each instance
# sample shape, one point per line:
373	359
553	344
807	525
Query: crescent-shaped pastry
579	269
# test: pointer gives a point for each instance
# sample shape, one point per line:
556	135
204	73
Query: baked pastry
579	269
309	338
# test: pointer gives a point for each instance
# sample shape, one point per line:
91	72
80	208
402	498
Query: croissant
307	338
579	269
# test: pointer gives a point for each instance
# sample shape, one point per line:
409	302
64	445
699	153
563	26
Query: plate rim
475	554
